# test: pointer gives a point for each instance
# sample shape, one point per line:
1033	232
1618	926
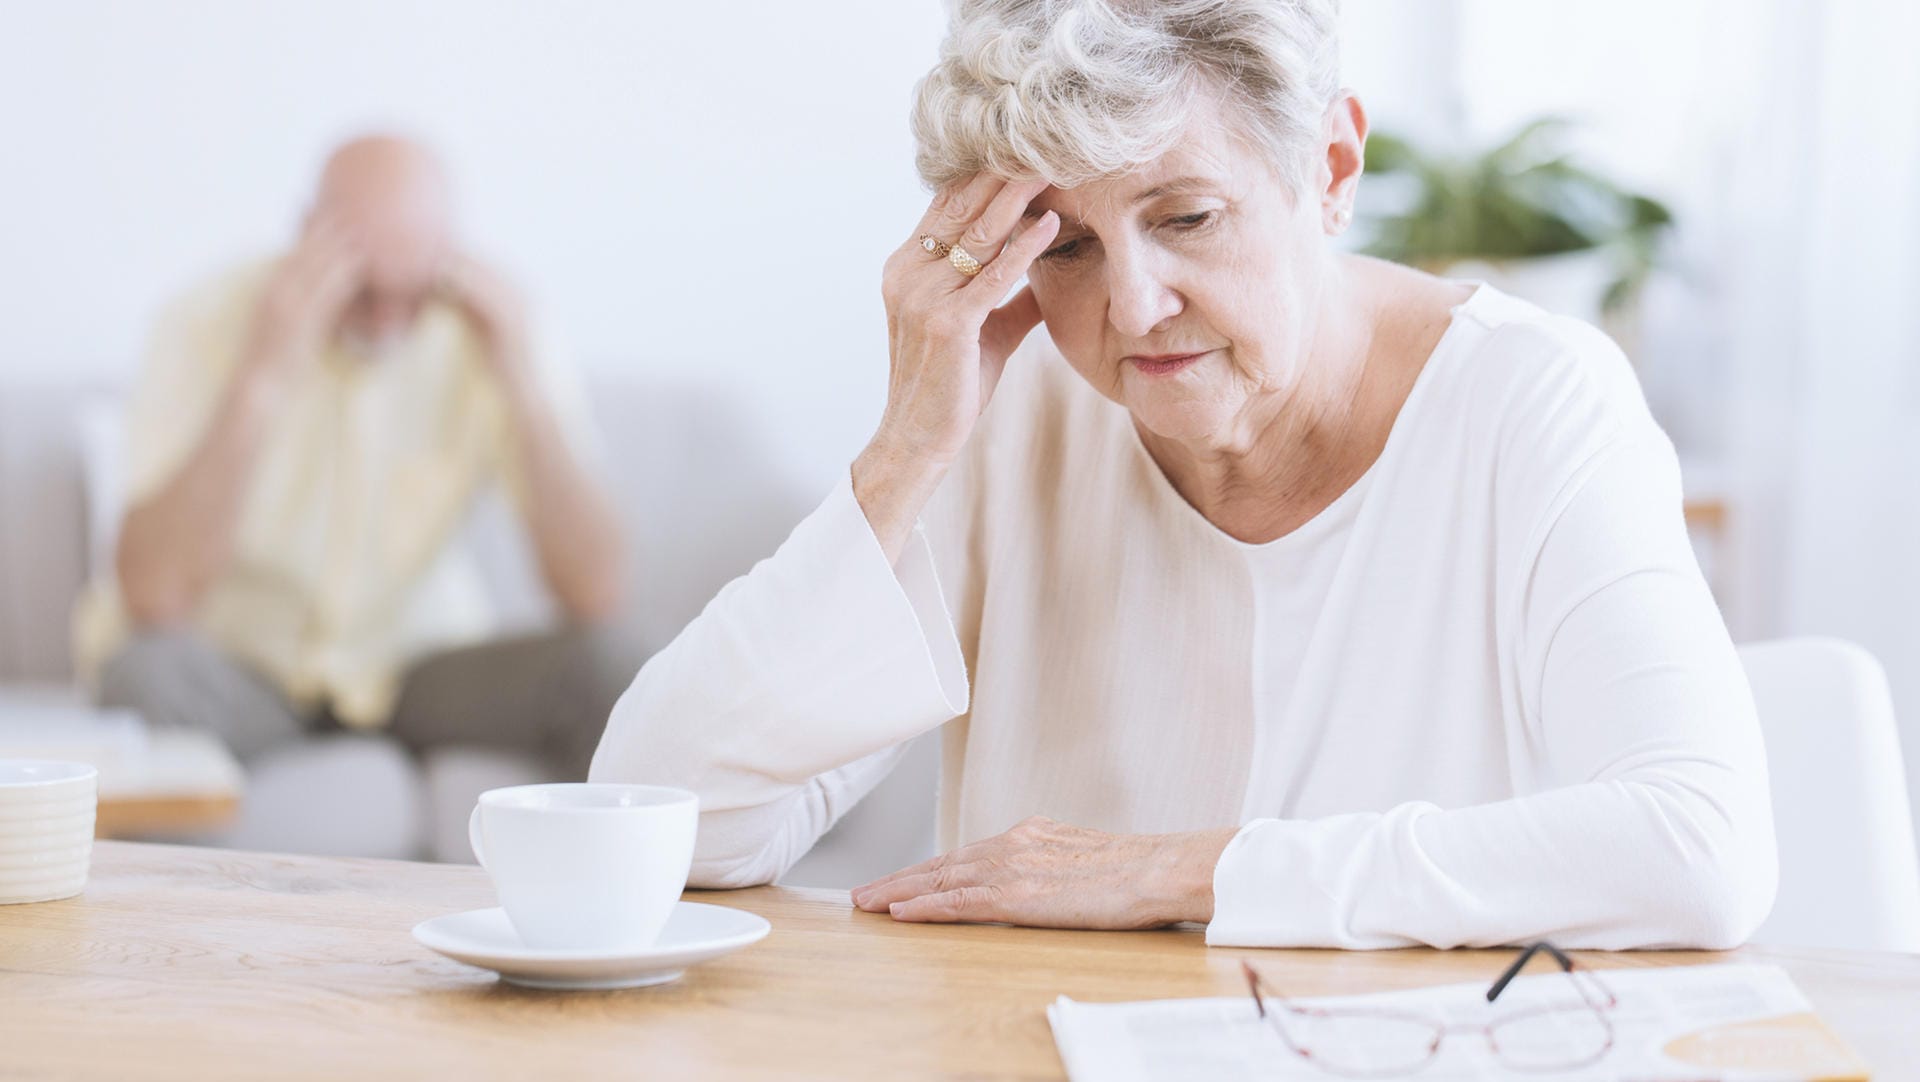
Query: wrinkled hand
949	336
494	309
306	296
1047	874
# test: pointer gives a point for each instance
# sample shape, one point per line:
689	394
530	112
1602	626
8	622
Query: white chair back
1849	874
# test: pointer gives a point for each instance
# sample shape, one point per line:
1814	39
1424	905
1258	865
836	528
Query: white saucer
695	933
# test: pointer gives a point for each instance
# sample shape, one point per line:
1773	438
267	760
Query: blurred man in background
307	442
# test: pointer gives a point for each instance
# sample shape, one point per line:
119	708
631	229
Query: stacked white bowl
46	829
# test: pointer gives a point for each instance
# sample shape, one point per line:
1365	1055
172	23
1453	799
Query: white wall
688	189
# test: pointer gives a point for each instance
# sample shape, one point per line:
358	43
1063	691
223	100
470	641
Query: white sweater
1484	697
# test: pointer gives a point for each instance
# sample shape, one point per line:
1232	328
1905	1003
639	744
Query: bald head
391	195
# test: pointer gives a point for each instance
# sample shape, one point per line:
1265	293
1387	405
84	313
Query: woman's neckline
1338	509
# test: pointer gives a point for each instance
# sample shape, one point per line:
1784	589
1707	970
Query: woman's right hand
949	339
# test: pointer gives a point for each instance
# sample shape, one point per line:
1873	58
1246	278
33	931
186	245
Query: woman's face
1187	291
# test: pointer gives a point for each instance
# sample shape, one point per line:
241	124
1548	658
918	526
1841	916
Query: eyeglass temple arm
1253	985
1520	963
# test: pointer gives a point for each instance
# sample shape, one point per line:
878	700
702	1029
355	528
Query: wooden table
192	963
176	814
180	782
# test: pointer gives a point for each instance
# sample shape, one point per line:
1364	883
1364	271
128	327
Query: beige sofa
703	497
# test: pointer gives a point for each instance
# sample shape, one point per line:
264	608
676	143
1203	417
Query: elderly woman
1312	597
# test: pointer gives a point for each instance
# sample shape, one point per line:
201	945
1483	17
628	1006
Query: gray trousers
546	695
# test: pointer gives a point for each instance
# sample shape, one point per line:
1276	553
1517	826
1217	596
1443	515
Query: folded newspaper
1735	1021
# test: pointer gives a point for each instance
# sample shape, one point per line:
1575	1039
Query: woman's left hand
1050	875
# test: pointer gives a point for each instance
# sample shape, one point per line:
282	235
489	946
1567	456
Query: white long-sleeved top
1484	697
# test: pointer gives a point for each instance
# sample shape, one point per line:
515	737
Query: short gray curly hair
1077	90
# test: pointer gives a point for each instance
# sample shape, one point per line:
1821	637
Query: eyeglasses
1362	1042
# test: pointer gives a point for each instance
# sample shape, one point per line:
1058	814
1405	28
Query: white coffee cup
586	866
46	829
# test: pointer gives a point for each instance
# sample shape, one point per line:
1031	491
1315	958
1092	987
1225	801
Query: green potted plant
1522	215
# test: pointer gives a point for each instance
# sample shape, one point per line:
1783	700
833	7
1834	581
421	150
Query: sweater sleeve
789	697
1653	827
